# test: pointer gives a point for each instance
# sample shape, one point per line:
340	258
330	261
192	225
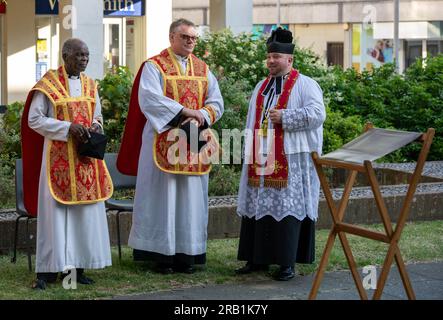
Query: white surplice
170	211
68	236
302	123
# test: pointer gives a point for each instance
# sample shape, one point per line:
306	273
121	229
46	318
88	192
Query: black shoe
164	268
250	267
81	278
286	273
85	280
64	274
39	284
184	268
48	277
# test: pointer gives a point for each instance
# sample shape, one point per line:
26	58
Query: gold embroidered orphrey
73	179
190	90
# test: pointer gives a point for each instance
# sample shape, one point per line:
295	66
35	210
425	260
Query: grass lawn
421	241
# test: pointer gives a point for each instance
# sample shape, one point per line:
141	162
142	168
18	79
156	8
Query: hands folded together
81	133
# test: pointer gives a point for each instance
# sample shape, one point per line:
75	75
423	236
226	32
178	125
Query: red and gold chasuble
275	172
73	179
190	90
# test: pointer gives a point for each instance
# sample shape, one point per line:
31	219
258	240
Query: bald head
70	44
75	54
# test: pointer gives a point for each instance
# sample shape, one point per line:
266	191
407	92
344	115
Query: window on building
43	46
122	42
334	54
434	47
413	51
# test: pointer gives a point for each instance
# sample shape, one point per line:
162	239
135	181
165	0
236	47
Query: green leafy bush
10	149
115	92
410	102
338	130
223	180
7	190
236	57
236	94
10	145
11	119
243	57
421	106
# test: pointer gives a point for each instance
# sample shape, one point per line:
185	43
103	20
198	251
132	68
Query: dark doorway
334	53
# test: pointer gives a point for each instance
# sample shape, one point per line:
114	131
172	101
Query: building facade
350	33
117	32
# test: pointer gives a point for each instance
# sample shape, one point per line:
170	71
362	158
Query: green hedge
10	149
412	102
115	92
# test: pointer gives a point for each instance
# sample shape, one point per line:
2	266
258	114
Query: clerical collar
182	59
73	77
278	84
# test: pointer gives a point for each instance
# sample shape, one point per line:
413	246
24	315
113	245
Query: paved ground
426	278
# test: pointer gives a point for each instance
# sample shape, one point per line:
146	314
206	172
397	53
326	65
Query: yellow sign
42	46
356	32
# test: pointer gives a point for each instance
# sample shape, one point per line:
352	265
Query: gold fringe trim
211	112
255	183
276	184
268	183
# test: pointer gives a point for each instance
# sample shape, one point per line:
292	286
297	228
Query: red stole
275	171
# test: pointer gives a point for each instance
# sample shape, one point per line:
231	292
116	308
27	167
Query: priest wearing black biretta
278	197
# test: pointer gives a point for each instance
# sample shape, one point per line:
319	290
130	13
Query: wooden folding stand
350	157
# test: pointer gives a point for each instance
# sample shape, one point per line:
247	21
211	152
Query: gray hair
180	22
70	44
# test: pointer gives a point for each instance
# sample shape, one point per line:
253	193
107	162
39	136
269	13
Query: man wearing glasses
173	89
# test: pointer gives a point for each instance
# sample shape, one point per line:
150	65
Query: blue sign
46	7
41	69
124	8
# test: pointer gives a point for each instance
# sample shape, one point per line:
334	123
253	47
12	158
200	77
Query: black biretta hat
280	41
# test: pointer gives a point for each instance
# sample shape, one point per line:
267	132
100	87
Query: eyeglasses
188	37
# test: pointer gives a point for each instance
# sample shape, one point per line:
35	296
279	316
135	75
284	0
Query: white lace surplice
302	123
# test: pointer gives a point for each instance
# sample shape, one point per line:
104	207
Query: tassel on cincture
255	183
276	184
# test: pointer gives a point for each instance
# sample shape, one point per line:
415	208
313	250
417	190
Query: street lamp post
396	37
278	13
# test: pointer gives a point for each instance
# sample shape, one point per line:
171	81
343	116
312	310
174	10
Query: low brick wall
224	222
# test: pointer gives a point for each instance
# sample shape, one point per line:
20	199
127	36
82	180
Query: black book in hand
192	130
95	147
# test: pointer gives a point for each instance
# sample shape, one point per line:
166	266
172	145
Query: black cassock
266	241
